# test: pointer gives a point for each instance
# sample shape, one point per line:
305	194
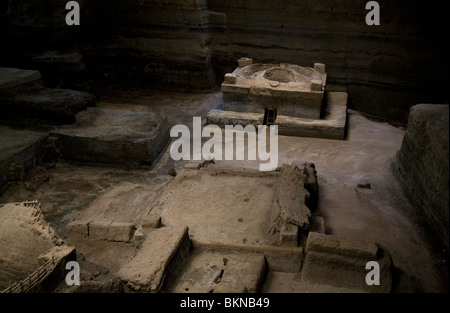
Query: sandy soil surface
380	213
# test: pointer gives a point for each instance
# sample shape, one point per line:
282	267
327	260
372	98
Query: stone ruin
285	89
288	95
189	241
181	233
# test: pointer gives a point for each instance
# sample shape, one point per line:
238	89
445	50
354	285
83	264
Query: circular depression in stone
279	74
255	68
301	70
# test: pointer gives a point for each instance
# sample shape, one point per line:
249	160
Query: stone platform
24	96
290	89
331	126
255	224
19	151
114	137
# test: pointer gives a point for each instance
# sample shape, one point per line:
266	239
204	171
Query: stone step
342	262
331	126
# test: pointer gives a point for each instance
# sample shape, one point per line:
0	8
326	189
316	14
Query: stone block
151	220
320	67
230	79
316	85
322	243
245	61
78	229
111	231
146	272
358	248
288	235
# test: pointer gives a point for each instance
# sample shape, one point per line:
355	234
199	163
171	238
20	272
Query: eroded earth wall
422	164
191	44
385	69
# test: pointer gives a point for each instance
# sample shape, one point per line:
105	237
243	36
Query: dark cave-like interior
224	147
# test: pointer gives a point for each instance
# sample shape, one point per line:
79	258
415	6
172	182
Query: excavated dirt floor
380	213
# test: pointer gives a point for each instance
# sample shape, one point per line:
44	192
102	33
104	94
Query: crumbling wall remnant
422	165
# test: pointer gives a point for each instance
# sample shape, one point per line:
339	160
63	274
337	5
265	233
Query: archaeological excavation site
223	147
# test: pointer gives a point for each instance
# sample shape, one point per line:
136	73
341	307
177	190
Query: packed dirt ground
359	195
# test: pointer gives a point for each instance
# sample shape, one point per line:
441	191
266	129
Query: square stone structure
241	209
291	90
111	136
